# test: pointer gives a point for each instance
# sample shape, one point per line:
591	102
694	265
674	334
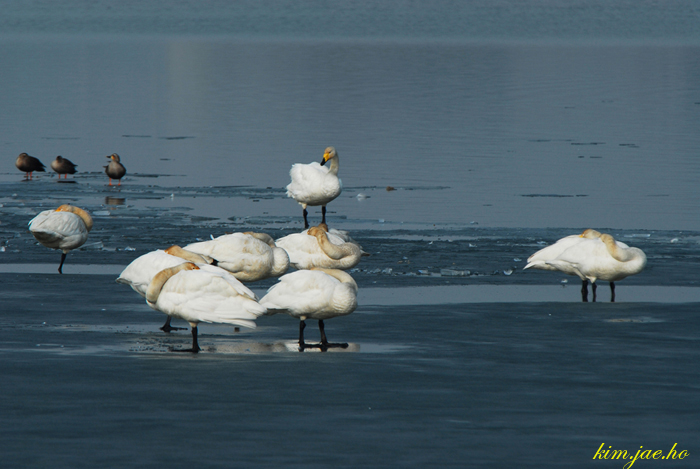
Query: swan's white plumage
141	271
313	184
60	229
247	257
539	259
313	248
207	294
600	259
312	294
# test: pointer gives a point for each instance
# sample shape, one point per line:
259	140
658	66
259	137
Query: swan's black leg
323	214
322	328
324	342
595	287
306	221
612	292
584	291
195	344
63	259
302	344
167	327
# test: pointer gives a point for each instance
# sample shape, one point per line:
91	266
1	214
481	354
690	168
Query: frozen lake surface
470	134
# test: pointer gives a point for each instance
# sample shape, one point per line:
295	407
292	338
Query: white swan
313	294
65	228
139	274
248	256
337	236
314	185
313	249
202	294
539	259
600	258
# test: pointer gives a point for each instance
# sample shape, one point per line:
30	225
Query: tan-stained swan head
328	155
323	227
87	219
156	285
590	233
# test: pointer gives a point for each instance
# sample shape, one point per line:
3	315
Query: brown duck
115	170
63	166
28	164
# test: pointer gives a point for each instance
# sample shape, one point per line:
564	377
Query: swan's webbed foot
167	327
195	345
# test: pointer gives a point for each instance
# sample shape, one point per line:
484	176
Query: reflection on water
109	200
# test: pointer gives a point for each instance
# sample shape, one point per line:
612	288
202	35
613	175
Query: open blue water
501	126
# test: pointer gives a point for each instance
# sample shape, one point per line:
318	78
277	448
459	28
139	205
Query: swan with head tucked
63	165
539	259
28	164
202	294
313	294
65	228
115	169
248	256
312	184
314	249
140	272
600	258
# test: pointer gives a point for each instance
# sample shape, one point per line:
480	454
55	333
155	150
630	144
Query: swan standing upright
248	256
28	164
115	169
62	165
314	185
202	294
313	249
140	272
313	294
65	228
596	258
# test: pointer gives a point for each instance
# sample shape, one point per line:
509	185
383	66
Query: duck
65	228
63	165
601	258
202	294
314	249
28	164
115	170
249	256
314	185
318	294
140	272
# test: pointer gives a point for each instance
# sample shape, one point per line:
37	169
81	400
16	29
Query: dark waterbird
63	166
115	170
28	164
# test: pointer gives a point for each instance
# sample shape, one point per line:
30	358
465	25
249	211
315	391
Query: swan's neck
264	237
280	262
622	254
87	219
156	285
334	251
335	166
189	256
341	276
